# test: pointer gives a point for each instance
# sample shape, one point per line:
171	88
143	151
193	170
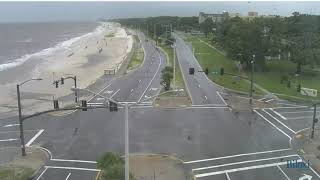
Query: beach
85	57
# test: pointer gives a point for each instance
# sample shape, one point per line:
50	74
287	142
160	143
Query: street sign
309	92
305	177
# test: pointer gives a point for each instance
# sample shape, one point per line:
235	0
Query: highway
212	141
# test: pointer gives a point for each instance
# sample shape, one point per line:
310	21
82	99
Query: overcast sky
91	11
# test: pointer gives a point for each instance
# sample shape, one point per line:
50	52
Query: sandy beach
86	58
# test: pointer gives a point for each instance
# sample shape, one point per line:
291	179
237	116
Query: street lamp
126	106
251	84
23	148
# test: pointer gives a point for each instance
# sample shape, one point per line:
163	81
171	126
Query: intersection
212	141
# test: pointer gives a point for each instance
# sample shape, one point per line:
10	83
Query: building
216	18
252	14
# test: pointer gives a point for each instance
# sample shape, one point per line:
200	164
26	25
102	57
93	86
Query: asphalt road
200	88
212	141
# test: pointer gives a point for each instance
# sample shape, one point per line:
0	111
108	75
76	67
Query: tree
207	26
112	166
167	75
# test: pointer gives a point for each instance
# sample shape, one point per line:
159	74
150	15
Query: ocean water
24	45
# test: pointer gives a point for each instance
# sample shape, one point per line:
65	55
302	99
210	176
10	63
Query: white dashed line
11	125
8	140
283	172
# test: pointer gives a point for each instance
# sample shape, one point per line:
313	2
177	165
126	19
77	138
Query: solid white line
68	176
221	98
72	160
114	93
34	137
261	99
11	125
155	74
297	107
270	100
283	172
302	117
237	155
228	176
8	140
274	126
242	169
292	105
207	105
72	168
243	162
294	112
278	114
45	169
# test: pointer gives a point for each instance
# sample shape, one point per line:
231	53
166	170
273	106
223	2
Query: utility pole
252	71
23	148
154	32
127	174
174	66
75	92
314	120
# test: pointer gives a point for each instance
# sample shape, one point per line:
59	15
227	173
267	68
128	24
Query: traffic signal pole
126	114
23	148
314	119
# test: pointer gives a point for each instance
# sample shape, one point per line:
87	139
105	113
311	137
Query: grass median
213	60
269	79
138	55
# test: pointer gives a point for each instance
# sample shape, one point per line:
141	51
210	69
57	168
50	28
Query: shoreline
90	57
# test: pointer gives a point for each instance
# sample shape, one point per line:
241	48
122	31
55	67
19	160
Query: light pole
126	106
23	148
252	71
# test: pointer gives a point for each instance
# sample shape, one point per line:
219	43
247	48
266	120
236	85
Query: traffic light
55	104
191	71
221	71
113	106
57	84
299	87
84	105
206	71
62	80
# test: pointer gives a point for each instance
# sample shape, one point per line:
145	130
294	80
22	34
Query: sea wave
47	52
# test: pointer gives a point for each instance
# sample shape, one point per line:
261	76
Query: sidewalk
156	167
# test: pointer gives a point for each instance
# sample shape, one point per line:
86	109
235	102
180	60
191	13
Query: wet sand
86	58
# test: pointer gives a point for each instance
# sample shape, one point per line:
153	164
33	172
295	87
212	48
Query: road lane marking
155	74
34	137
244	162
283	172
131	90
237	155
8	140
295	112
290	139
270	100
68	176
11	125
302	117
286	107
292	105
278	114
114	94
108	92
228	176
221	98
73	168
29	130
261	99
243	169
45	169
72	160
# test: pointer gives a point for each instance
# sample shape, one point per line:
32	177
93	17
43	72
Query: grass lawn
137	57
270	79
214	60
15	173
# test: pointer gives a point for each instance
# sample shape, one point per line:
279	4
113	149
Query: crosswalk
249	165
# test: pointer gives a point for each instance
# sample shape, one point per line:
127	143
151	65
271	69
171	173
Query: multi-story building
216	18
